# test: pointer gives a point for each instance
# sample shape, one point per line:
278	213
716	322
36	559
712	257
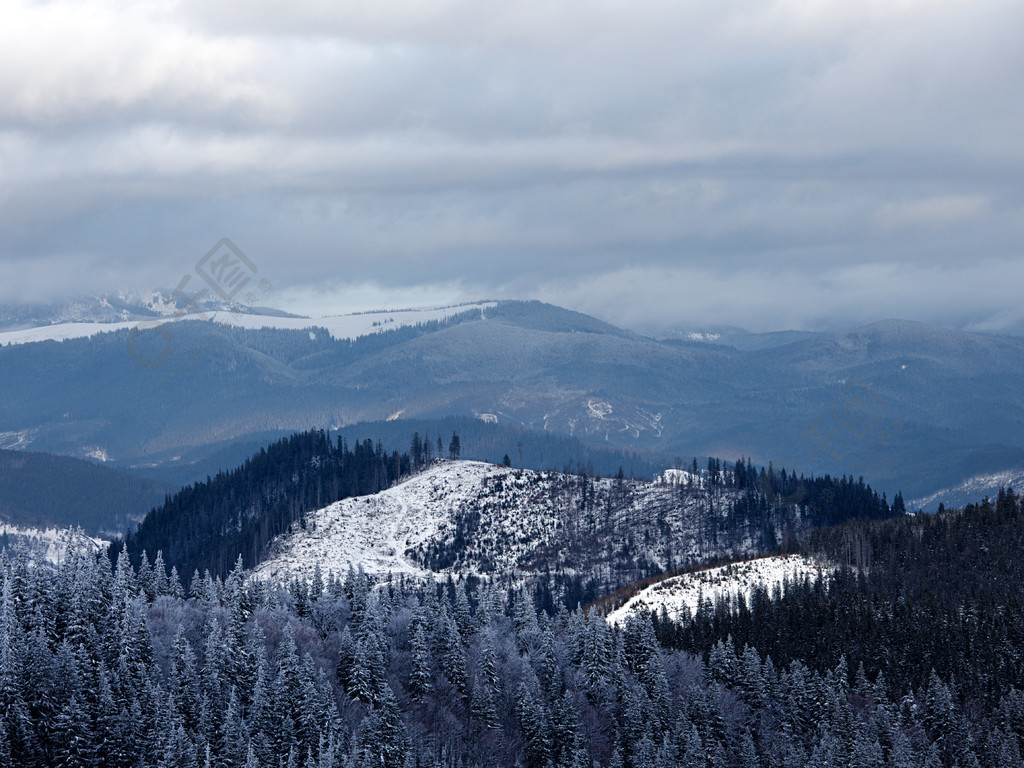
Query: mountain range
873	637
909	406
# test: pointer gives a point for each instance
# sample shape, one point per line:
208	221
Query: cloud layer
798	163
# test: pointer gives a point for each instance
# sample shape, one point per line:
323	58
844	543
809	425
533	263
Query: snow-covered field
375	531
338	326
692	589
49	544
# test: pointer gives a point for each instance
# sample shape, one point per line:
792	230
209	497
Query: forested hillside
101	666
39	490
207	526
597	533
928	610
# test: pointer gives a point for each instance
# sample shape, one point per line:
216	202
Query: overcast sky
789	164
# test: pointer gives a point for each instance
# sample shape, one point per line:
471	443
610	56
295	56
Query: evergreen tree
534	722
382	737
482	707
421	677
73	740
232	739
453	657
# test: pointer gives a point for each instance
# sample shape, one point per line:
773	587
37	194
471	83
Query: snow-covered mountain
911	408
682	595
86	320
464	516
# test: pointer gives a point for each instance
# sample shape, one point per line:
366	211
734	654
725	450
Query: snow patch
680	477
339	327
375	531
100	454
48	544
691	590
17	440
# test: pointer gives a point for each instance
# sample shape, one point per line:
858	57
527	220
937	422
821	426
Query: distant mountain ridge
909	406
118	307
87	318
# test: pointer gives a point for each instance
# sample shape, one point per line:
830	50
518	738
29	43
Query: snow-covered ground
375	531
49	544
338	326
692	589
971	490
681	477
15	440
469	516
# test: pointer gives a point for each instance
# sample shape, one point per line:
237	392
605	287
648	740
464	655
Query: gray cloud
782	164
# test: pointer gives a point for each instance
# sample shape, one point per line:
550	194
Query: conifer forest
915	661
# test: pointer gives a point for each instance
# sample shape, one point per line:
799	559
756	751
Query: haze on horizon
795	164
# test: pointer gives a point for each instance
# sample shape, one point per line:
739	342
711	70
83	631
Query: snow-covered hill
376	531
338	326
970	491
45	545
467	516
682	595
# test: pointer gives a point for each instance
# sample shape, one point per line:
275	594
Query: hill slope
908	598
41	491
914	407
680	597
469	517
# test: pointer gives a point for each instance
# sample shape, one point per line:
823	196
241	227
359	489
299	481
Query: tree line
106	665
924	610
610	531
207	525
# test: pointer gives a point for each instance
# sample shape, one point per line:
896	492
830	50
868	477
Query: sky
776	164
